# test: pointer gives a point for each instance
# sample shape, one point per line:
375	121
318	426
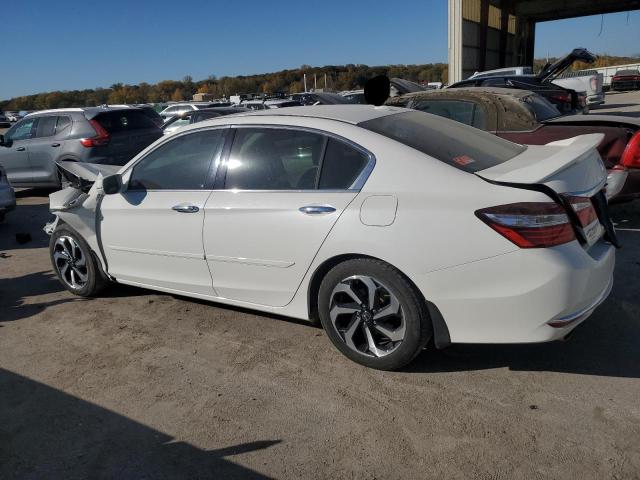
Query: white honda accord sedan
392	228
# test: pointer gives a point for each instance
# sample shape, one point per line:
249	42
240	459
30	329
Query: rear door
130	132
283	191
15	158
43	151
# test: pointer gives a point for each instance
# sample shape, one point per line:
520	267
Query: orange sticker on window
463	160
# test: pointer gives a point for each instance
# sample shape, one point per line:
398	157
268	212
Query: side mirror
112	184
5	143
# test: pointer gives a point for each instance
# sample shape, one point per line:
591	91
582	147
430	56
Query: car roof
348	113
89	112
471	92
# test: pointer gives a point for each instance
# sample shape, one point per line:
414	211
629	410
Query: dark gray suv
30	149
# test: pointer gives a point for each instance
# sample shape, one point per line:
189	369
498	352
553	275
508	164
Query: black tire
95	281
413	314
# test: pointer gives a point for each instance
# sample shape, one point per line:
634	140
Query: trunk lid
559	66
569	171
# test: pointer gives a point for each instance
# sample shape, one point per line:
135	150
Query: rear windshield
124	120
453	143
542	108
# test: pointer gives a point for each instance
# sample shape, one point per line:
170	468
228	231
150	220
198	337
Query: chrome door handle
55	144
317	209
20	149
185	208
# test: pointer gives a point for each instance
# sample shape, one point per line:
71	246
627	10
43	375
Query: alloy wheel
367	316
71	262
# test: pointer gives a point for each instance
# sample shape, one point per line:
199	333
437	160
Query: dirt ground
142	385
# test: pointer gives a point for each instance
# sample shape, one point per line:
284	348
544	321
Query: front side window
465	112
274	159
22	130
46	127
183	163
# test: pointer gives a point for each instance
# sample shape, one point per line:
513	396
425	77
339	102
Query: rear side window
463	147
468	113
180	164
341	165
46	126
63	124
274	159
124	120
542	108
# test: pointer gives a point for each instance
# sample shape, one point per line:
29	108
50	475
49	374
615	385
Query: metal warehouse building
489	34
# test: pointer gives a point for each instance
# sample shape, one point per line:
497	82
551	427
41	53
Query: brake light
101	137
594	84
561	97
584	209
631	155
530	224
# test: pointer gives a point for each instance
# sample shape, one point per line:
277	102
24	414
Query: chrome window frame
357	184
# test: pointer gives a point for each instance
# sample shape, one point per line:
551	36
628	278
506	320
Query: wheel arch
441	337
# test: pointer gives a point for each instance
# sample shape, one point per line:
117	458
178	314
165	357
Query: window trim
213	168
355	187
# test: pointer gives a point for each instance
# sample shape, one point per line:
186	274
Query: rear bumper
517	297
597	99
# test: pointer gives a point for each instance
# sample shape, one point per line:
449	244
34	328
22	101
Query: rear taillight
594	84
530	224
631	155
101	137
584	210
561	97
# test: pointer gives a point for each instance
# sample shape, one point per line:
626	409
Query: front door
152	231
15	157
284	190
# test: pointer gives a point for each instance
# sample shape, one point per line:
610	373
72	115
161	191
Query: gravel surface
137	384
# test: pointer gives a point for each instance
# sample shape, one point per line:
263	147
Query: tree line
338	77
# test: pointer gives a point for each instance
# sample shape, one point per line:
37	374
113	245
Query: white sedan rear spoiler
571	165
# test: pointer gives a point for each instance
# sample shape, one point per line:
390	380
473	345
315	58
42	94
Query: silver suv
30	149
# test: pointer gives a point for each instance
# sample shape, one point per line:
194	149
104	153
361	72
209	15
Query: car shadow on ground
46	433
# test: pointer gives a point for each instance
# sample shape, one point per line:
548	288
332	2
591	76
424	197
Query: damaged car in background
525	117
394	229
565	99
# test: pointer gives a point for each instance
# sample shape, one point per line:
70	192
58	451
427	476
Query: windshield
463	147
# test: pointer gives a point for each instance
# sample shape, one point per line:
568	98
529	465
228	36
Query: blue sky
86	44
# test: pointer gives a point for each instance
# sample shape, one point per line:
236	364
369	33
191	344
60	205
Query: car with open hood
394	229
525	117
566	100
